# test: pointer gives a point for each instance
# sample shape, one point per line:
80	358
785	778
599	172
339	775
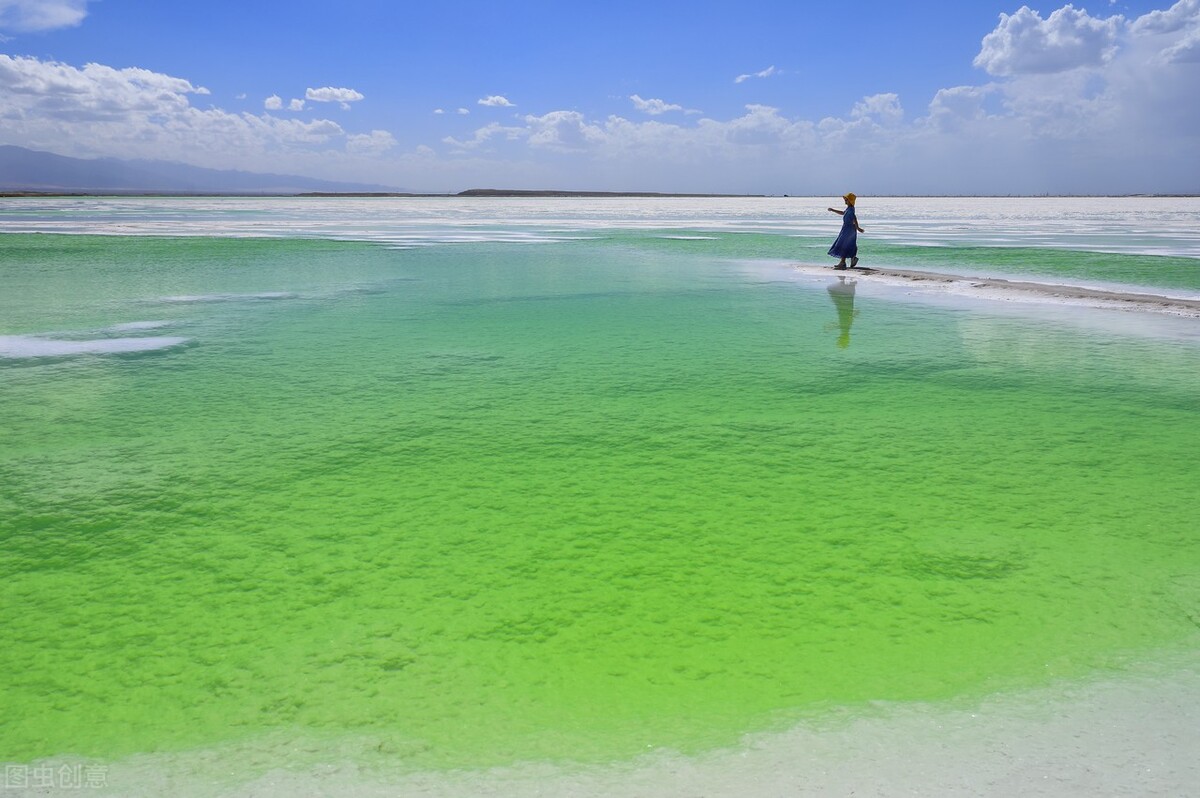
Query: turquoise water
561	492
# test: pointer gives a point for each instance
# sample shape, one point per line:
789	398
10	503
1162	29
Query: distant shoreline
491	193
484	193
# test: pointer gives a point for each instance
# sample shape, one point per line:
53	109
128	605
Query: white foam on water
132	326
30	346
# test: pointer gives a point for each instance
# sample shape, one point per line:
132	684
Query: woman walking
846	245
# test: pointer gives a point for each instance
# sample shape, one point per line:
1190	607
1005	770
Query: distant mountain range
25	170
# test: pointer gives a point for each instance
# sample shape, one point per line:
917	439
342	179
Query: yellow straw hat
849	198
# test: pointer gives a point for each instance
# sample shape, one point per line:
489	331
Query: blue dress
846	245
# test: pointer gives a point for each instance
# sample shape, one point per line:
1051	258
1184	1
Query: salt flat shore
1019	290
1135	735
1131	732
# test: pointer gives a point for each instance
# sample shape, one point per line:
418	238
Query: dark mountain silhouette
25	170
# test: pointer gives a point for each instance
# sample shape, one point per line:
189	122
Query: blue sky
772	97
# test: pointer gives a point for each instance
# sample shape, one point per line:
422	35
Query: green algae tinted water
486	502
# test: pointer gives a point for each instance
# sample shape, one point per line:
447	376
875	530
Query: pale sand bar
997	288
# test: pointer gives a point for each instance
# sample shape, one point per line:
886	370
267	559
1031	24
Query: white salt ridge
30	346
197	298
1148	225
429	239
1021	290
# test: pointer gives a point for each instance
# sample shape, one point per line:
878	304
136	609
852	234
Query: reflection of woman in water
842	294
846	245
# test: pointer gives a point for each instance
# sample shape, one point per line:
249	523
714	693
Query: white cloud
296	105
484	135
653	107
273	103
318	130
329	94
1183	14
58	91
1177	29
463	112
1024	43
97	110
562	130
495	101
766	73
27	16
376	142
761	126
1185	51
438	111
951	107
882	108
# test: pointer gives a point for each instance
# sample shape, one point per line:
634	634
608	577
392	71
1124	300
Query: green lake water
487	502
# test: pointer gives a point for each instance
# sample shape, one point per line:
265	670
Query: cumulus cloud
562	130
484	134
960	103
766	73
318	130
26	16
329	94
51	90
761	127
376	142
882	108
1024	43
495	101
1176	29
653	107
463	111
99	110
1185	51
275	103
1181	15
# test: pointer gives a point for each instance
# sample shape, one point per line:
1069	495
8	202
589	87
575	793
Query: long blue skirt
846	245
